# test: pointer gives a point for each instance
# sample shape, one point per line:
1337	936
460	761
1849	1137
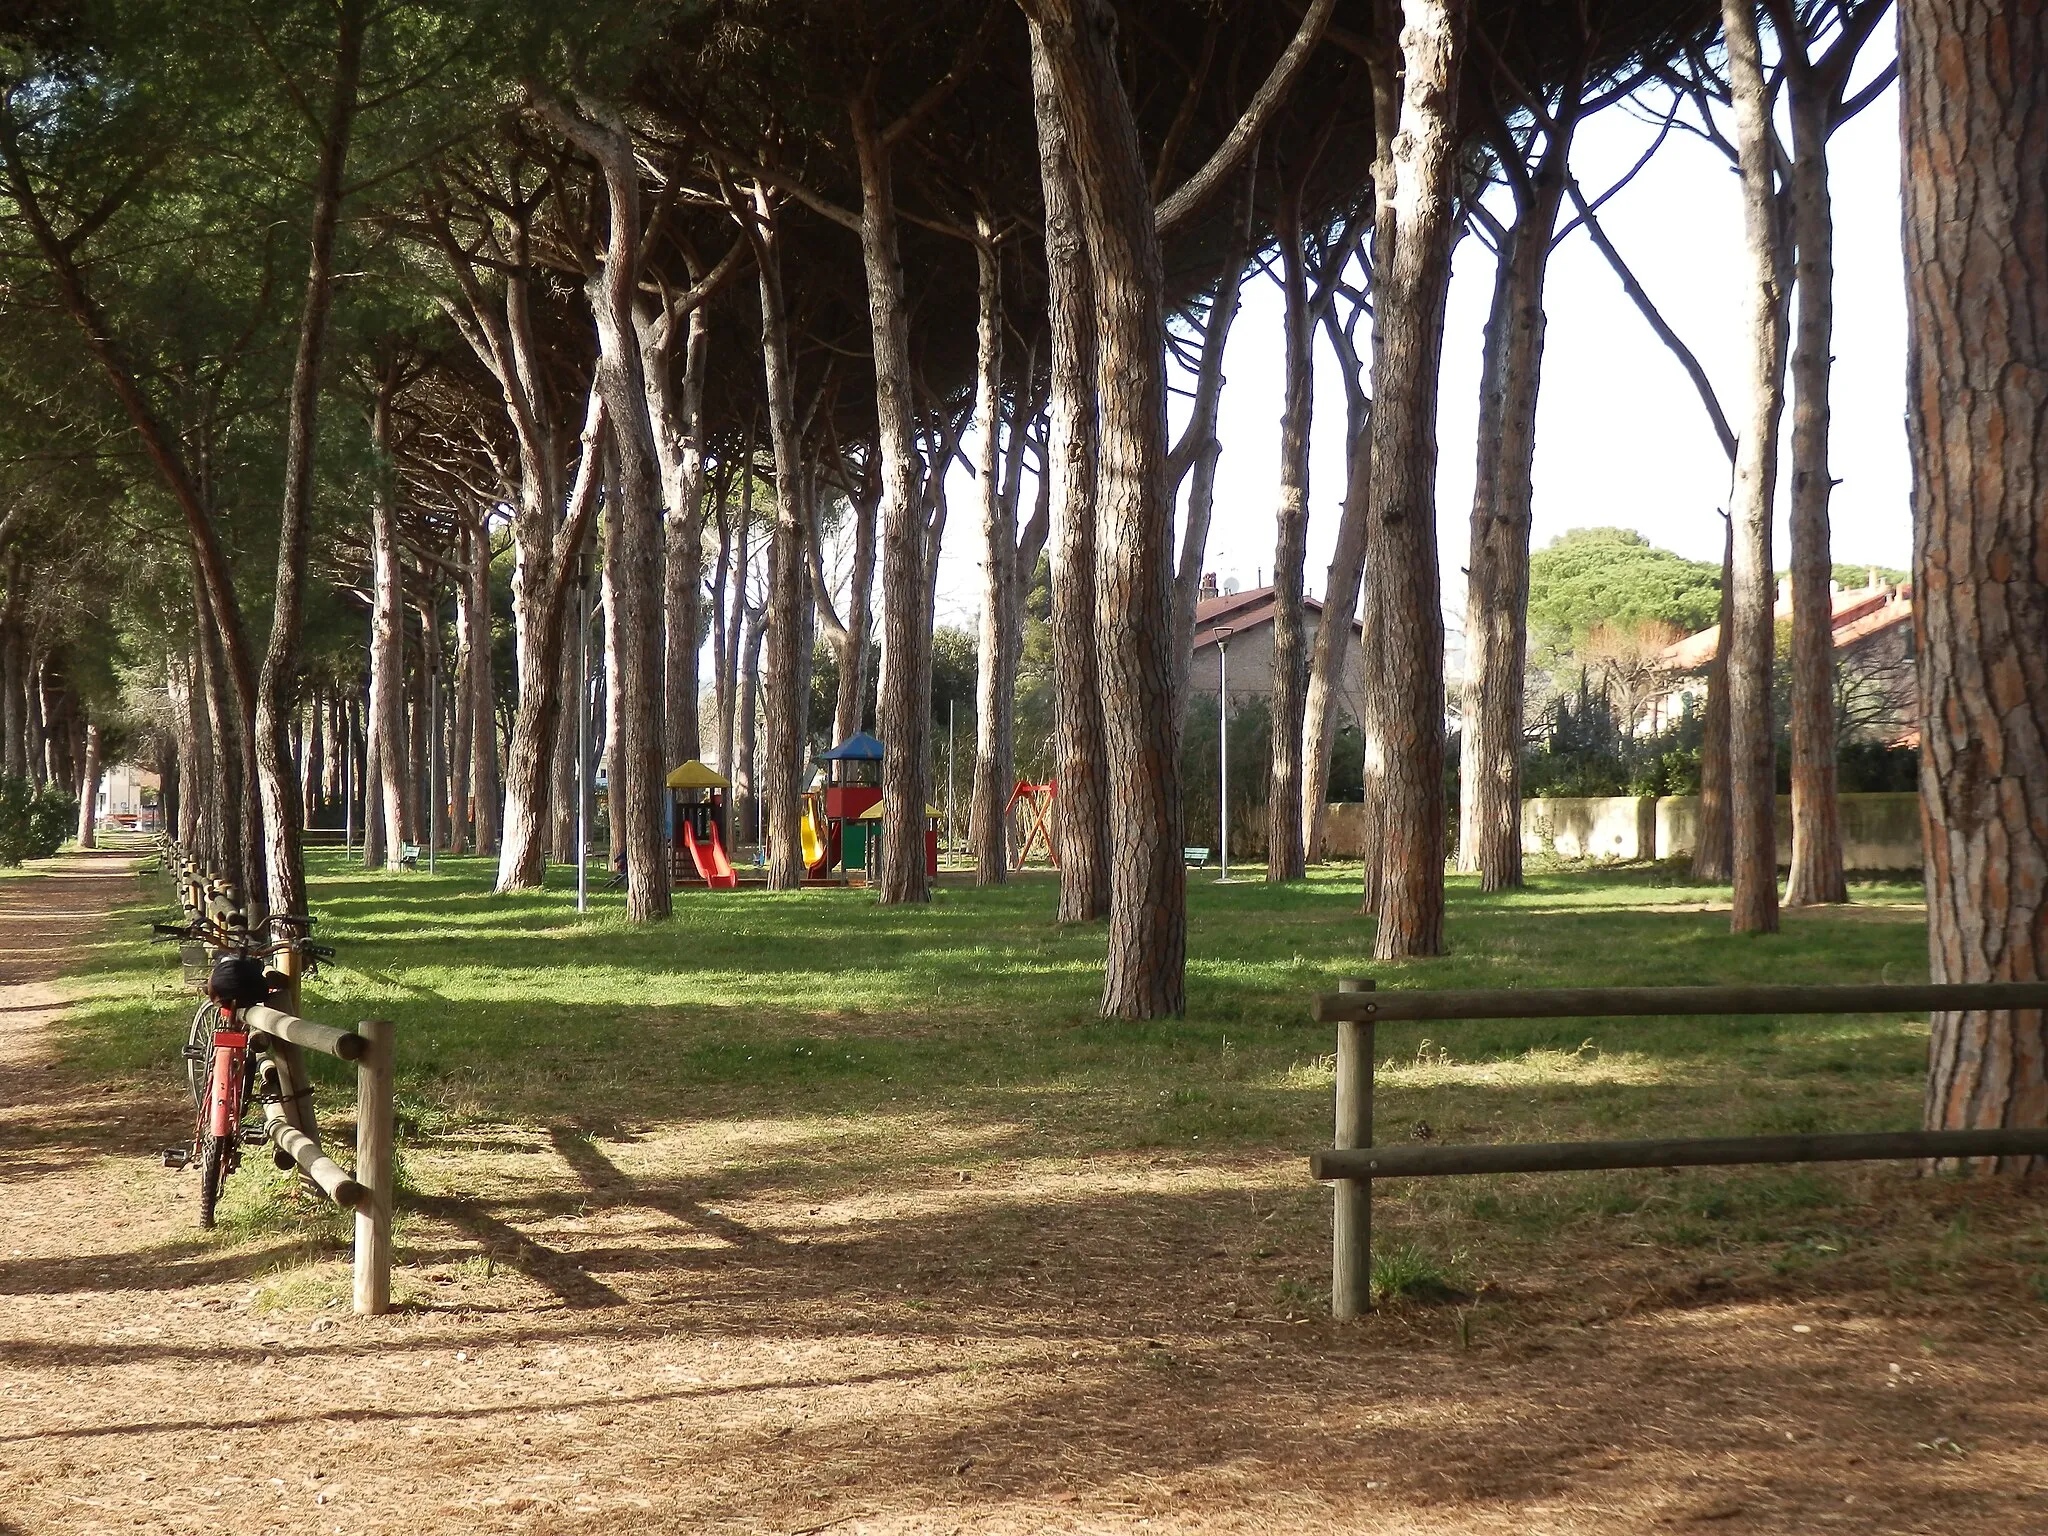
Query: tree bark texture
1331	655
729	701
904	708
1080	768
548	542
388	826
1407	345
277	688
1284	852
1204	450
1497	590
636	792
89	789
1975	108
1145	975
1752	642
1817	875
997	641
1713	855
746	786
785	702
677	416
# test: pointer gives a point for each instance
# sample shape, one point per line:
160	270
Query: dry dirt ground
625	1330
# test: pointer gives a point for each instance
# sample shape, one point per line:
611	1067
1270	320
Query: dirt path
636	1331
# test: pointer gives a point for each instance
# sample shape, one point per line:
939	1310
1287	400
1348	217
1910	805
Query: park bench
409	855
1196	858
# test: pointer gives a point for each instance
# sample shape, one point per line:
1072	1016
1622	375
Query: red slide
710	859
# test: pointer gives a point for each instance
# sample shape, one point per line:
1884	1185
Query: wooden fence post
294	1081
374	1160
1351	1235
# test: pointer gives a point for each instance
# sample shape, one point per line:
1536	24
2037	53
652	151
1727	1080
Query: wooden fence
1353	1162
287	1088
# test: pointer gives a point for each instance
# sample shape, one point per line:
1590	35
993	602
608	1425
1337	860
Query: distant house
1244	621
1877	696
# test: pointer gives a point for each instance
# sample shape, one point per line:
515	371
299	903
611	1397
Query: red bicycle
220	1055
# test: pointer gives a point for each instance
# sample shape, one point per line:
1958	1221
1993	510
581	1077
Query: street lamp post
1223	751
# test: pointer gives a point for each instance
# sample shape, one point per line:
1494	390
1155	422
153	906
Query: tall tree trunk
417	796
13	672
388	826
1080	766
729	700
1331	656
849	709
564	776
315	760
1407	345
483	693
782	790
549	545
1204	450
995	684
746	799
1284	851
637	792
89	789
1976	192
433	714
38	723
462	700
1497	593
905	707
1751	645
682	474
1145	974
1817	874
277	688
195	755
1713	854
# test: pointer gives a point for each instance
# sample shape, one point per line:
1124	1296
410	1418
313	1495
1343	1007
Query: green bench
1196	858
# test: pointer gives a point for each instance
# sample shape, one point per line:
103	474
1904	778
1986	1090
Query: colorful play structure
1032	806
842	821
698	815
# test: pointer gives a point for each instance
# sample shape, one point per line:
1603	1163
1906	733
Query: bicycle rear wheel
199	1052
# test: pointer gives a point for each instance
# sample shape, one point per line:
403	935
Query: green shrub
33	822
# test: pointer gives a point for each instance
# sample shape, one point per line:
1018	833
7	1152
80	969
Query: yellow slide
814	845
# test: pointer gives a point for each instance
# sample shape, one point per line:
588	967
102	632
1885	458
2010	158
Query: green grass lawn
981	1006
890	1043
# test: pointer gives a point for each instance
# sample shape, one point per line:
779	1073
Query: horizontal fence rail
1672	1002
1698	1152
345	1044
1353	1163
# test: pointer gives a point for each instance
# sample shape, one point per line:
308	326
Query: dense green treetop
1593	576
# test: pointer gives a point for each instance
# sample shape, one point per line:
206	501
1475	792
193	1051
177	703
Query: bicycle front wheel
213	1169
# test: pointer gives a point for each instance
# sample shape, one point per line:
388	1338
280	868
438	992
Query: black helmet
237	982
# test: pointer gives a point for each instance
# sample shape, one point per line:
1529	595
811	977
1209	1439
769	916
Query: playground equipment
842	820
1037	802
698	811
834	838
869	828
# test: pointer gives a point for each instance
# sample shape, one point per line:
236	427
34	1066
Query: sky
1622	439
